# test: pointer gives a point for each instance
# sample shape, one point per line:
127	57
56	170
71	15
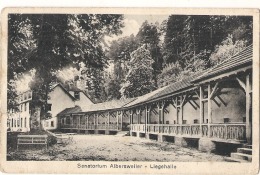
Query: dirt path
115	148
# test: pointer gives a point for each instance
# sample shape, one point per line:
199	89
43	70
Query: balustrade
220	131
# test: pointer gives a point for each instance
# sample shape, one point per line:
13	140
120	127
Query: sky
134	22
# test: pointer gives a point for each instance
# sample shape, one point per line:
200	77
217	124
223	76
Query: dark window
196	121
25	106
21	122
226	120
48	107
52	123
184	122
76	95
12	123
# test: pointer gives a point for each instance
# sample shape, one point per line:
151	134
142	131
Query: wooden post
87	122
201	109
177	111
131	119
209	109
79	121
108	118
138	111
94	118
122	119
248	105
117	120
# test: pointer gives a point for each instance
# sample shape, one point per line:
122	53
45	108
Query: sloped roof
239	60
145	97
108	105
164	91
70	111
58	84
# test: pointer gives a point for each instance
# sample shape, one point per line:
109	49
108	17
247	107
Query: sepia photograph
116	90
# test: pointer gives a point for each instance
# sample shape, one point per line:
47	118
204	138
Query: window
196	121
76	95
21	108
49	107
21	122
46	124
18	122
52	123
226	120
12	123
25	122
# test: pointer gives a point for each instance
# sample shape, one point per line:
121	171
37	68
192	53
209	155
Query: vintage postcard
130	90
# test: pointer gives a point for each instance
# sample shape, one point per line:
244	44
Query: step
248	146
231	159
244	150
241	156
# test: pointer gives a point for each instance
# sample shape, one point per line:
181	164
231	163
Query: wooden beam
193	105
214	90
198	95
166	111
172	104
221	100
248	114
216	102
241	83
209	110
183	99
154	111
201	109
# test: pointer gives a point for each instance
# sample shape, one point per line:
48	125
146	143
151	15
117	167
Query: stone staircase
242	155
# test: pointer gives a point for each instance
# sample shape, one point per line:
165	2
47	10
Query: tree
149	34
60	40
119	52
227	49
139	80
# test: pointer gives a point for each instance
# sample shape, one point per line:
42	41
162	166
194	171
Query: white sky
133	23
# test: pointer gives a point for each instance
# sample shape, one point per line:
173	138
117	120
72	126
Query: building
204	110
59	99
20	120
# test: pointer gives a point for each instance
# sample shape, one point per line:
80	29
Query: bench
32	140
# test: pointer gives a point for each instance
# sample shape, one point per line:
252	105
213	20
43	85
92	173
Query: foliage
139	80
227	49
149	34
59	40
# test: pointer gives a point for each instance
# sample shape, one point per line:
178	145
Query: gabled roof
68	111
58	84
108	105
234	63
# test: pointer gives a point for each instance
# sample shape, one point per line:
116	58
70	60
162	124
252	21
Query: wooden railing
91	126
230	131
234	131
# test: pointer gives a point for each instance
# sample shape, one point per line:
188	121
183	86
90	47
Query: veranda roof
108	105
68	111
164	91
